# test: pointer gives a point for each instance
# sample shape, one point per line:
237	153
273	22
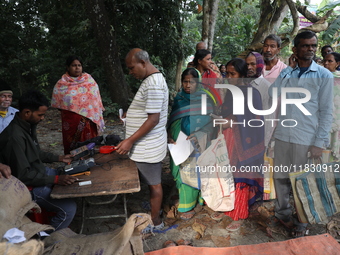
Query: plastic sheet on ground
311	245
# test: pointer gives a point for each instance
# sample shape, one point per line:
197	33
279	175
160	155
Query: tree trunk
272	15
178	74
210	12
205	21
117	86
212	22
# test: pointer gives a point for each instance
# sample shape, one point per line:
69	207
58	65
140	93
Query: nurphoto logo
238	106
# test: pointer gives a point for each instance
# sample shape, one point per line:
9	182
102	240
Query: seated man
20	150
6	111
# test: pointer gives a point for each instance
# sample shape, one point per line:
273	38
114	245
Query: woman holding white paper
186	116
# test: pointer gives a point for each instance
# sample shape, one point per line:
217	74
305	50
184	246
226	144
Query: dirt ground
201	230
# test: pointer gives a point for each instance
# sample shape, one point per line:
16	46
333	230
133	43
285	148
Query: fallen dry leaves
221	241
199	228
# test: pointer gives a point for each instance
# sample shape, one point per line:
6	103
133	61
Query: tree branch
295	17
307	14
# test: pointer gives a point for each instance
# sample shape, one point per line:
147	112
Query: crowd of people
261	77
256	77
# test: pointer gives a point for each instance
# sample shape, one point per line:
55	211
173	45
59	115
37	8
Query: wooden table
114	174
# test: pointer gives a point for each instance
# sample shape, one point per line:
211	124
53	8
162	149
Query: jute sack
217	182
125	240
318	193
32	247
16	201
297	202
187	170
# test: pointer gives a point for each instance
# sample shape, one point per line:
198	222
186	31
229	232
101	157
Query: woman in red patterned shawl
77	95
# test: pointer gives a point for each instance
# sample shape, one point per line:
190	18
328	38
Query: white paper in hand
121	116
181	150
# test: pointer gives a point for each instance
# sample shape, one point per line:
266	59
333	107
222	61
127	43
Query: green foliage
329	6
111	108
20	36
153	25
331	35
37	36
236	25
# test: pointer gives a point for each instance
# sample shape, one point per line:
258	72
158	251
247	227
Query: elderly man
302	135
255	65
20	150
146	137
6	111
270	51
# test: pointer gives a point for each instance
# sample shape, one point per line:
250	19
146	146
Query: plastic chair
43	218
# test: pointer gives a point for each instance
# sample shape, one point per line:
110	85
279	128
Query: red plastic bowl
106	149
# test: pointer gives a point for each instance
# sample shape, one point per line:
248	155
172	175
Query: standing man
6	111
326	50
146	137
21	151
271	50
310	135
255	65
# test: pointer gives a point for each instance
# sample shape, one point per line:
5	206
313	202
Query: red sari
76	128
209	79
245	146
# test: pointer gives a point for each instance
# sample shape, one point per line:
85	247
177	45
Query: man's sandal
299	231
184	242
169	243
217	216
234	226
187	215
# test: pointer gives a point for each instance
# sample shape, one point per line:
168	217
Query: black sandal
299	231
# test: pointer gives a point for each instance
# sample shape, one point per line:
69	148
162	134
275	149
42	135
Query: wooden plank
114	174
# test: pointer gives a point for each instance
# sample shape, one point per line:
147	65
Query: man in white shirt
7	112
146	136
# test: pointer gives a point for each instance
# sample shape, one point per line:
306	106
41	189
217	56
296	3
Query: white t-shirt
151	97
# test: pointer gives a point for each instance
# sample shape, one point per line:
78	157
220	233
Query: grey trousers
292	156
